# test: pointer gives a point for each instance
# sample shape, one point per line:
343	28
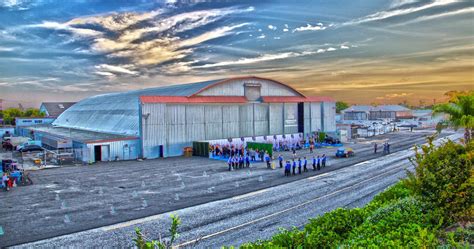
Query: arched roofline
224	81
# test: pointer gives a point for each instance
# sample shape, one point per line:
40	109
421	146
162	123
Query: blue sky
358	51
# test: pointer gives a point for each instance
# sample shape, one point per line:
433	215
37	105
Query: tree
444	179
341	106
461	113
10	114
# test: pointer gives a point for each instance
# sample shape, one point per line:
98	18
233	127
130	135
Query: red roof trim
291	99
244	78
198	99
110	140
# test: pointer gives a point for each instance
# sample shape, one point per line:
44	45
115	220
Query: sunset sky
357	51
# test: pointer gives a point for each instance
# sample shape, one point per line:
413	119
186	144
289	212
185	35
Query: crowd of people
240	161
224	149
298	166
11	175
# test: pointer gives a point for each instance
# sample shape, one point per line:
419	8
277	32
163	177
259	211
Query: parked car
31	147
331	140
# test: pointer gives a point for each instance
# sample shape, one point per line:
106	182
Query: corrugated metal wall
246	127
176	126
175	120
316	121
195	123
230	121
307	117
329	116
154	129
276	118
236	88
213	116
261	119
121	150
290	118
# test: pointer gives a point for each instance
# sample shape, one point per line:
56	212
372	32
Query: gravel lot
73	199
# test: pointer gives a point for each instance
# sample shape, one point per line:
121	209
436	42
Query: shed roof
80	135
55	109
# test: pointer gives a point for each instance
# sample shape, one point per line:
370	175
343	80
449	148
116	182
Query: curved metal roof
118	113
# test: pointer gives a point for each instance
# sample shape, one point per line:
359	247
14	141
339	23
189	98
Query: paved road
74	199
255	215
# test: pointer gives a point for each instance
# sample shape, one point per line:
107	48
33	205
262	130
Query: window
252	91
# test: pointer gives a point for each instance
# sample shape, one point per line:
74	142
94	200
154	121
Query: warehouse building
54	109
161	122
367	112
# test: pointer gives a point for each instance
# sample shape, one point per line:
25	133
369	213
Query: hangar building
160	122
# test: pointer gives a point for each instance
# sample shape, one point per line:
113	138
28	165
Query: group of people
232	151
240	161
301	165
10	174
386	148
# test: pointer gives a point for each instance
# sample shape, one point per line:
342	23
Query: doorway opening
98	153
301	117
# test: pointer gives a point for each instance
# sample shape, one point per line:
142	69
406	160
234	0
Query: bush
461	238
390	195
284	239
443	178
332	228
411	214
401	224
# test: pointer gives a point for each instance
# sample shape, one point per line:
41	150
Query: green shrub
461	238
284	239
444	179
401	224
391	194
330	229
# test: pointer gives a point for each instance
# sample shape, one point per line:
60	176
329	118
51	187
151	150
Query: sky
356	51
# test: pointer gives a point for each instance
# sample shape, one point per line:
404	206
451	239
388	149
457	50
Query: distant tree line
9	115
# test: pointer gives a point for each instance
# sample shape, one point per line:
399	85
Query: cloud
393	96
66	27
128	35
399	12
115	69
271	27
216	33
308	27
399	3
6	49
115	21
262	36
441	15
262	58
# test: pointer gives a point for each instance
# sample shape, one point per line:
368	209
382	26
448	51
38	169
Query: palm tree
461	114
